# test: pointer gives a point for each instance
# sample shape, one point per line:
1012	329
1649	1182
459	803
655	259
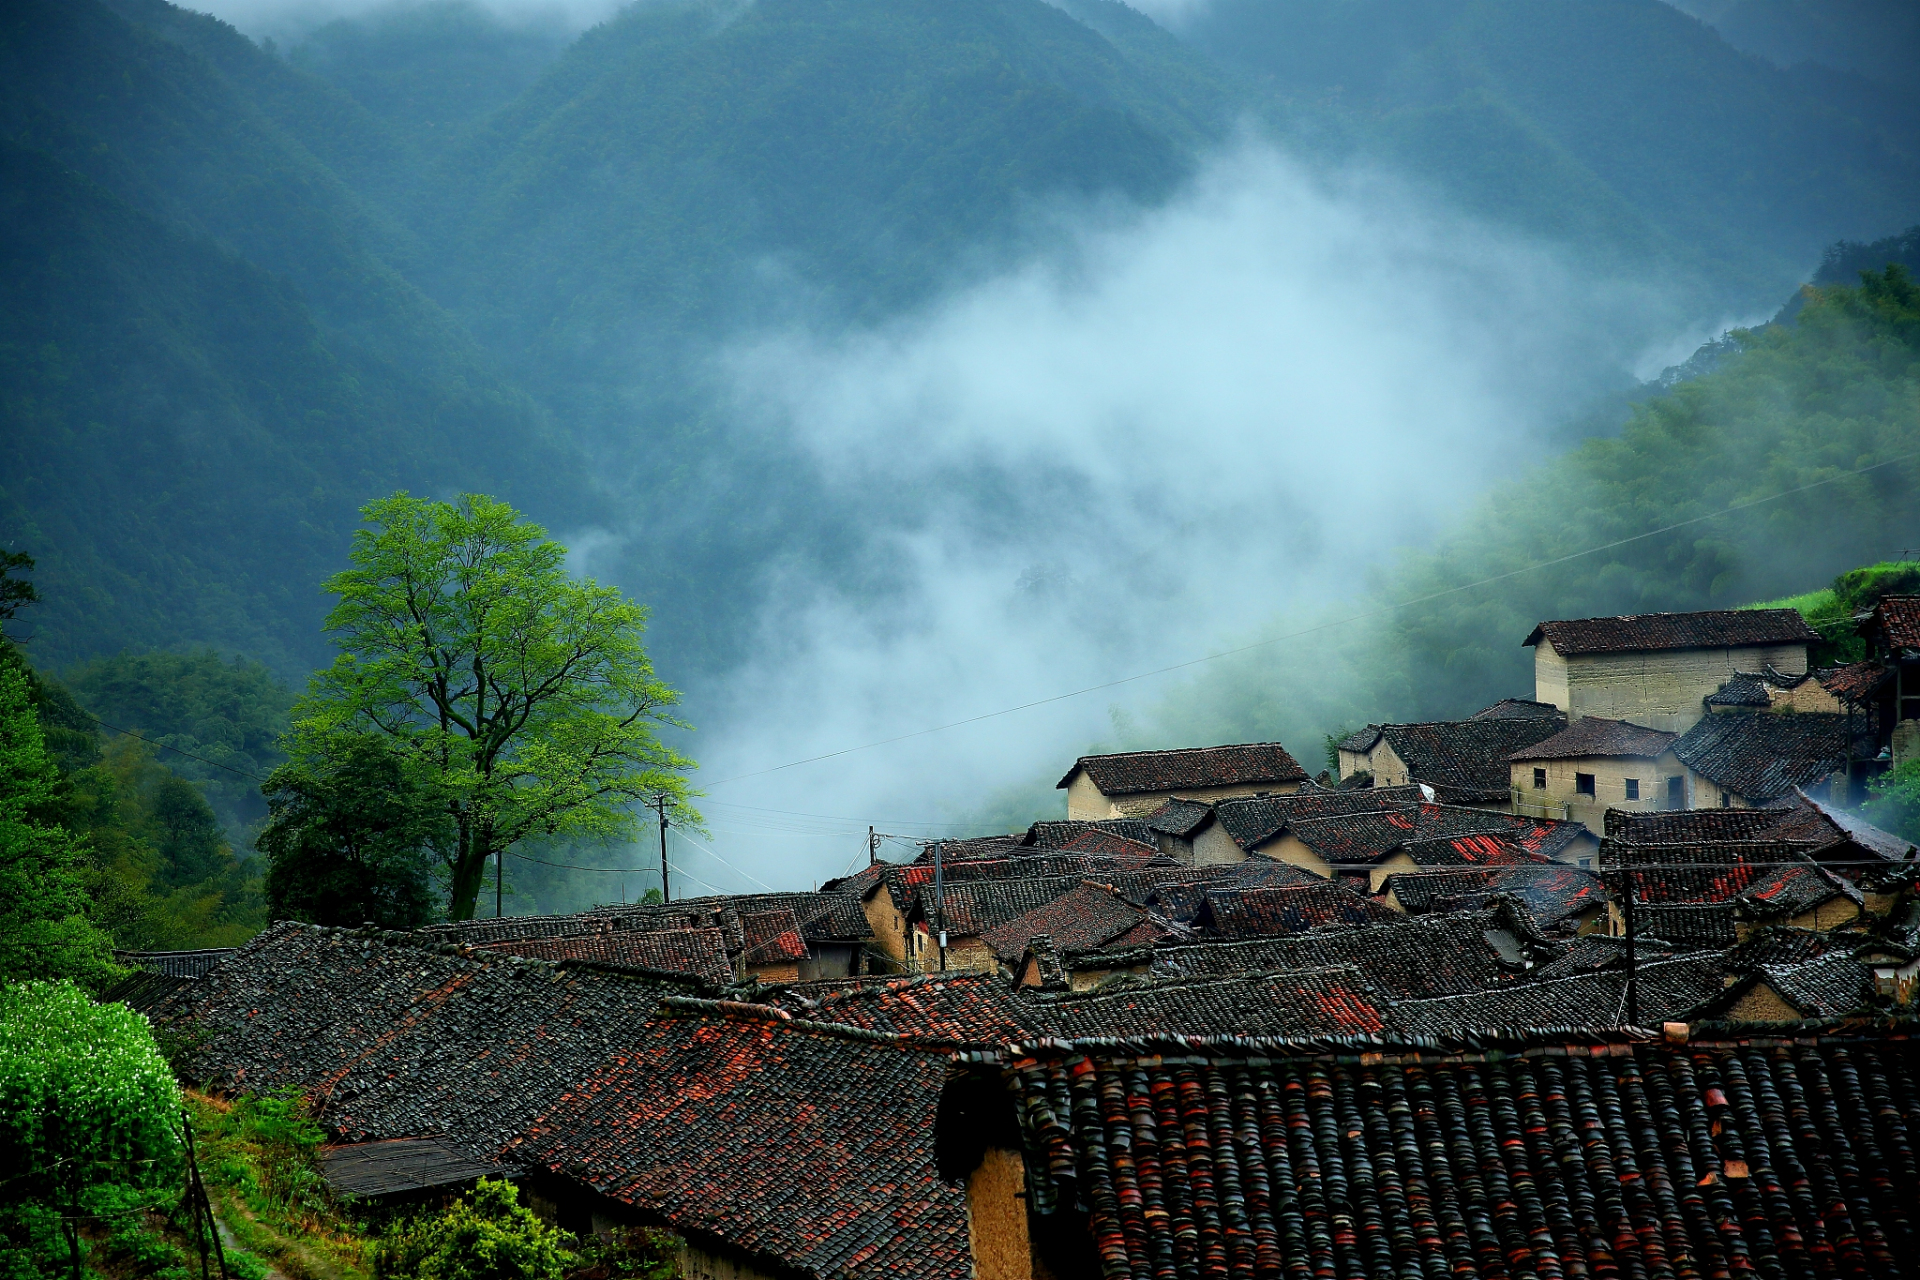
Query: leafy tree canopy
354	841
44	928
525	695
89	1108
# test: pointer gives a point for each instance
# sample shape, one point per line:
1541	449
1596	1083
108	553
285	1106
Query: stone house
1657	669
1597	764
1135	783
1461	761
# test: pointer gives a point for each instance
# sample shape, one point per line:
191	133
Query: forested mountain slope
206	365
679	160
1625	123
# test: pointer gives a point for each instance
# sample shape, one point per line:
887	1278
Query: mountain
1626	126
206	363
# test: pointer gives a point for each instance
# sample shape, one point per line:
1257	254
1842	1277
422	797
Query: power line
1323	626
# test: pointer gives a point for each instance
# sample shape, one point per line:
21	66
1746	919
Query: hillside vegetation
1799	452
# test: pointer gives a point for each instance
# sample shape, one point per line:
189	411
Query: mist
289	20
1176	427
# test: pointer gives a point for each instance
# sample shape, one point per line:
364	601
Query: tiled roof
1854	683
973	907
1789	890
701	914
1762	755
395	1039
1552	892
1110	843
1688	826
1179	818
1593	737
1741	690
1554	1155
944	1008
1519	709
823	917
1646	632
1830	987
1897	621
700	952
1051	835
810	1147
1466	760
1479	849
1086	918
1253	820
157	995
1426	956
1360	740
1779	945
977	847
1852	827
1333	1001
1707	872
399	1167
1359	838
1183	899
1595	952
773	937
1261	913
1245	764
174	964
1668	990
1693	924
904	881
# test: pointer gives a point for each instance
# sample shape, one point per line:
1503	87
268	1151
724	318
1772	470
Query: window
1633	788
1583	783
1676	793
1539	779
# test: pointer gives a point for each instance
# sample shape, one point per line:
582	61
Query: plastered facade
1087	803
1661	689
1561	797
1383	762
1762	1004
1290	850
888	925
997	1218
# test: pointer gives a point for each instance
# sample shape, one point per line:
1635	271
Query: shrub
488	1235
86	1104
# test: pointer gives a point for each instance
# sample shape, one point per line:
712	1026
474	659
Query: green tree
44	929
88	1113
351	843
15	593
488	1235
525	695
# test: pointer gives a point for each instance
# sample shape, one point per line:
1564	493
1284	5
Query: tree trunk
469	872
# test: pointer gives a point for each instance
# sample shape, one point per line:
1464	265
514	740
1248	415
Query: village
1607	980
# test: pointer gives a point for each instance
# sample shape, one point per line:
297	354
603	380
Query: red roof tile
773	937
1895	621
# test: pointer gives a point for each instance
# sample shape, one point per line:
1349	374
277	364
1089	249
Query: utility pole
660	804
1633	965
940	901
873	847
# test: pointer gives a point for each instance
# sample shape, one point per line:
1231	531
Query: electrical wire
169	747
1323	626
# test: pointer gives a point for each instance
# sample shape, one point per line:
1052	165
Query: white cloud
1109	457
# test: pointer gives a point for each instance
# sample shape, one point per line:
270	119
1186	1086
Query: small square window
1633	788
1539	779
1583	783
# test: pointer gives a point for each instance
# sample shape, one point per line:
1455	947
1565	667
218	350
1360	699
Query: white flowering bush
89	1121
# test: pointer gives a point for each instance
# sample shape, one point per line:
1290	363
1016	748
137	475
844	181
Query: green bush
89	1122
488	1235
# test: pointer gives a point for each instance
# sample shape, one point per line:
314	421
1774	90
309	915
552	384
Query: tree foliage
487	1235
524	695
88	1107
352	839
45	931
